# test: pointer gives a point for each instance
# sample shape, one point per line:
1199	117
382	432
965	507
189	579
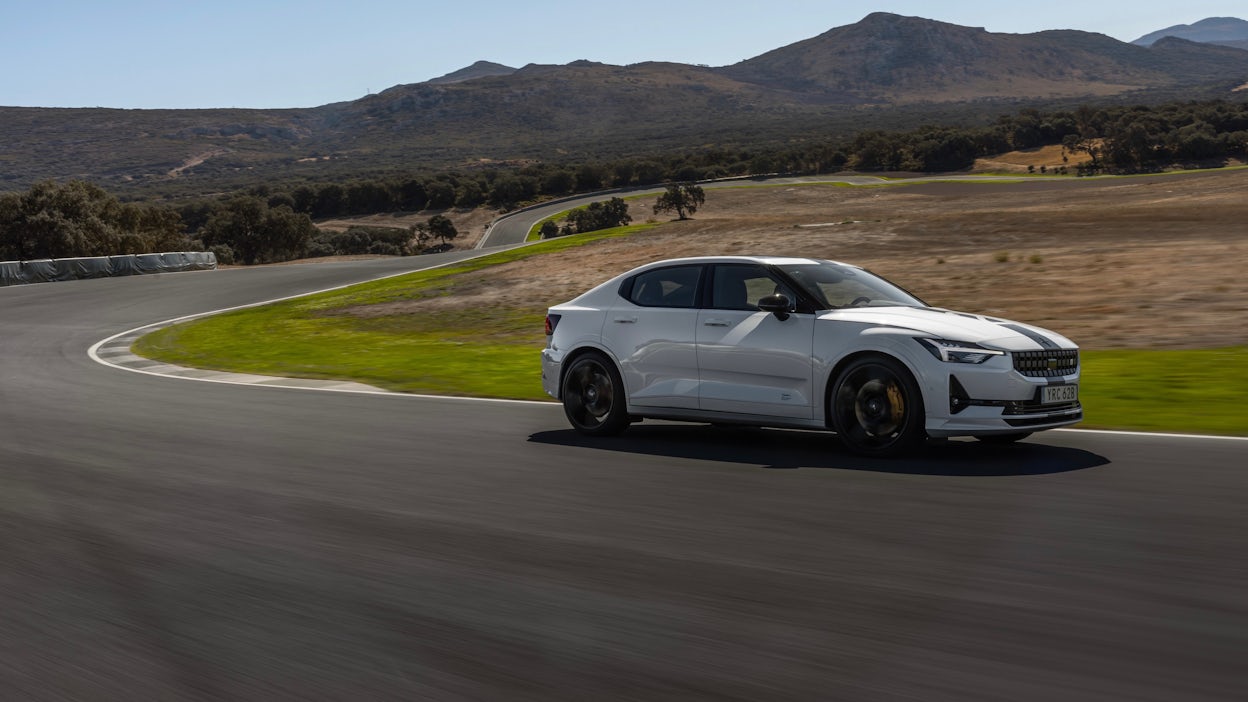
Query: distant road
512	229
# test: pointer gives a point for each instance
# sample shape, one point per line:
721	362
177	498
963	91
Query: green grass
535	231
484	353
494	352
1202	391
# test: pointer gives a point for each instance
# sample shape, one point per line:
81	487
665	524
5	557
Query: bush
357	240
599	215
224	254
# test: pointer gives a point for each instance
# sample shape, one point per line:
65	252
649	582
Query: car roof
766	260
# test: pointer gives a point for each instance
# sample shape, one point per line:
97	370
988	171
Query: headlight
958	351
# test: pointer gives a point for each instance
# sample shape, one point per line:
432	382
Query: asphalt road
166	539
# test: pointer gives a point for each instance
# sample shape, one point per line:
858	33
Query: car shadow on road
781	449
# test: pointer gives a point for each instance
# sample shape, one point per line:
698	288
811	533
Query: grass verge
494	352
463	351
1198	391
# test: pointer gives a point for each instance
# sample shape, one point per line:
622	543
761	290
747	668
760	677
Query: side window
666	287
741	286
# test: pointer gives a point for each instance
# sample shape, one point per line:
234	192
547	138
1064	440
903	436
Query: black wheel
593	396
1003	438
877	408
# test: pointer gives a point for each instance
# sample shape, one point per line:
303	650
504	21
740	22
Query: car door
750	361
651	333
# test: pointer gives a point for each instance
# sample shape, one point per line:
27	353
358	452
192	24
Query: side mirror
778	304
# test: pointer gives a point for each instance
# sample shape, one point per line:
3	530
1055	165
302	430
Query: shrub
224	254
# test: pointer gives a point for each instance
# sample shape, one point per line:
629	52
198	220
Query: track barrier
59	269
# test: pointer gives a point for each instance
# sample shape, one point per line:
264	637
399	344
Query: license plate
1054	394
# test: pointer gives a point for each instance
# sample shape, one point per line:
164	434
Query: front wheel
877	409
593	396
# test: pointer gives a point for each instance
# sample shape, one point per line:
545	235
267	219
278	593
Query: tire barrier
57	269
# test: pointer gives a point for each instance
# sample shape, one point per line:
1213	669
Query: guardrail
59	269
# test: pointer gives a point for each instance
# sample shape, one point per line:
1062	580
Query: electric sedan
801	343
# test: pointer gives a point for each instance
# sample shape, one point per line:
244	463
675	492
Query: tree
330	201
420	231
1094	148
366	197
649	172
877	150
76	218
560	181
412	197
441	194
600	215
508	191
257	233
442	228
590	177
682	198
469	194
945	150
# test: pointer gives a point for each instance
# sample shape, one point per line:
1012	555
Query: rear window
665	287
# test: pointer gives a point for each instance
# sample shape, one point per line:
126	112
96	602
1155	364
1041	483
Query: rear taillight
552	321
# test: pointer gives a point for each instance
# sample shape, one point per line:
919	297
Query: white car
801	343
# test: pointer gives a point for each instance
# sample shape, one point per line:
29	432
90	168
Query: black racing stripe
1044	341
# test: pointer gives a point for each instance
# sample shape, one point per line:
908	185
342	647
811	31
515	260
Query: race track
175	540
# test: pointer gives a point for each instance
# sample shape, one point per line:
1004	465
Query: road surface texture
174	540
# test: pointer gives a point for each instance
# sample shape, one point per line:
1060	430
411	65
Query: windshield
834	285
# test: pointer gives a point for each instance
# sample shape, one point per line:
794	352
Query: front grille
1046	364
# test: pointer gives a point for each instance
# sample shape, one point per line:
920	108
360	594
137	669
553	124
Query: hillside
1227	31
889	71
480	69
909	59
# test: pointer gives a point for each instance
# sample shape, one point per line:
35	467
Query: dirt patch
470	224
1041	158
1150	262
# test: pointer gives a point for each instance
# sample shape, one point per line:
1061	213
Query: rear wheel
593	396
877	408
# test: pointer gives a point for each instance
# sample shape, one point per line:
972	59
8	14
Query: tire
1003	438
877	409
593	396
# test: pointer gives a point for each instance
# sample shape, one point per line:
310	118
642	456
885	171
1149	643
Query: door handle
625	320
716	323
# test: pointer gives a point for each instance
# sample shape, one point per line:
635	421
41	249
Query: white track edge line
1157	435
93	351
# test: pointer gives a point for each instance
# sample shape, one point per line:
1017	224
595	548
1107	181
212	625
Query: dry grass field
1141	262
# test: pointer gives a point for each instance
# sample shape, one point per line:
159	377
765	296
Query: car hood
992	332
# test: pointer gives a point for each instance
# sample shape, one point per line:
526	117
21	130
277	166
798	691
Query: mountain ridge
1227	31
887	70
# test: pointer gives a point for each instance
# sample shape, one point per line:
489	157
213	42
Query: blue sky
279	53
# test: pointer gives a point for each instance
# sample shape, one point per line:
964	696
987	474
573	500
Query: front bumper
997	399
